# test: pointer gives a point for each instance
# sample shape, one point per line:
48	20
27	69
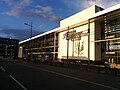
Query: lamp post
30	38
68	47
31	28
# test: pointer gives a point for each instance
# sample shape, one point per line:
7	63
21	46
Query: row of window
8	41
42	42
112	47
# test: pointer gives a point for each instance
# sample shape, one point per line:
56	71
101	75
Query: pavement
113	65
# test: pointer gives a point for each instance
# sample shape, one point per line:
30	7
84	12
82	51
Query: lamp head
25	23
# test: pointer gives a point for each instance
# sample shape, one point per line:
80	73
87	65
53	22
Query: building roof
45	33
108	10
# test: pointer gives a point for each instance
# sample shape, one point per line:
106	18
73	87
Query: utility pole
30	38
68	47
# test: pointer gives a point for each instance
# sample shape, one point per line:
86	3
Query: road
16	75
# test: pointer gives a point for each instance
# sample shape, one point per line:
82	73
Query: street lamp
30	38
31	28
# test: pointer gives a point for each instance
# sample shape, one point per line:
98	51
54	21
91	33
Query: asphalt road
16	75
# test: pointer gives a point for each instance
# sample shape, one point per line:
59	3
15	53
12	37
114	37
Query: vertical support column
20	52
44	46
88	42
105	19
68	45
73	42
104	43
6	50
54	45
31	57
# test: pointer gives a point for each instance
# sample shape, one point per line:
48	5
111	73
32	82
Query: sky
45	15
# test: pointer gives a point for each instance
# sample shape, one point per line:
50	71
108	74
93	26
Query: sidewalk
9	59
113	65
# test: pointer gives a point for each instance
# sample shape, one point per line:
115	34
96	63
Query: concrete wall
62	50
20	52
80	16
92	43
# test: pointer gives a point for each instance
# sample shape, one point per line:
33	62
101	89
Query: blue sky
45	14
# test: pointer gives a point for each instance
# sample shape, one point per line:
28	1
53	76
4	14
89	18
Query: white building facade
89	35
81	37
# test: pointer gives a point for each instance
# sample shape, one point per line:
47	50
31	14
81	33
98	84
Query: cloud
16	34
103	3
45	12
75	4
82	4
24	8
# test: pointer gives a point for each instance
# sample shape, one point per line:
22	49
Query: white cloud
103	3
3	35
75	4
16	6
24	8
9	2
82	4
16	33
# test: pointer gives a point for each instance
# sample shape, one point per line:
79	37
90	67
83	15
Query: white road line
81	79
74	78
3	69
18	82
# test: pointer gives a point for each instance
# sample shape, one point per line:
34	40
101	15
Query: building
91	35
8	48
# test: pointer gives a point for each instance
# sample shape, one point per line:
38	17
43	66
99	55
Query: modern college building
8	48
90	35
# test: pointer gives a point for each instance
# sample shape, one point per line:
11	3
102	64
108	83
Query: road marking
3	69
60	74
14	79
80	79
18	82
